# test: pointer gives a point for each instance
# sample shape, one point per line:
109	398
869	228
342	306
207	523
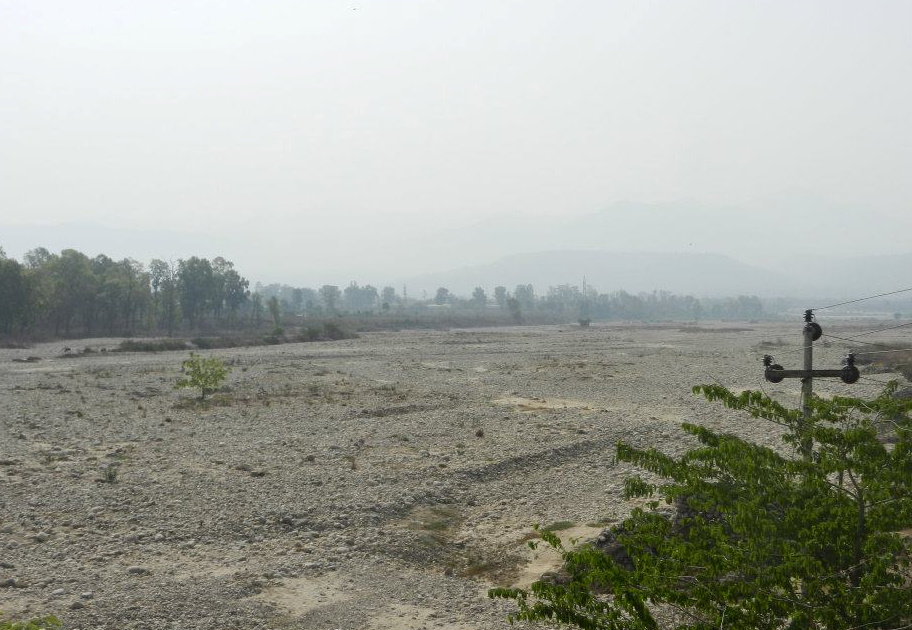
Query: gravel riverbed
384	482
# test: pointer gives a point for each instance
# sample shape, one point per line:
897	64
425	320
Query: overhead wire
883	351
870	297
853	340
871	332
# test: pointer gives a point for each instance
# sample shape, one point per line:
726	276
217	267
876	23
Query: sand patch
542	404
299	596
544	558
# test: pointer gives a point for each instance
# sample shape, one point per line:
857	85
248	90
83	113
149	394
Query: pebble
137	570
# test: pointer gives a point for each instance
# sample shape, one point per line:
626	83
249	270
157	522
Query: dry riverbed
382	483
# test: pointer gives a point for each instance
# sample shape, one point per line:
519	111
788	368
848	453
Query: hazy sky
314	137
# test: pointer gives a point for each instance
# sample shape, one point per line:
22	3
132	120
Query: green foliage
442	296
205	375
760	539
38	623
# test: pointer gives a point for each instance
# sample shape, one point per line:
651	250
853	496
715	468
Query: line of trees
572	302
71	294
563	302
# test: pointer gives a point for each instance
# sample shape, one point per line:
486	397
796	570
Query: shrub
334	332
205	375
151	345
758	539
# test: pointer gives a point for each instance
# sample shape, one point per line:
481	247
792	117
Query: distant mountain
860	275
696	274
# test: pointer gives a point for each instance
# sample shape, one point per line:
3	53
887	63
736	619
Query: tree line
69	293
72	294
563	302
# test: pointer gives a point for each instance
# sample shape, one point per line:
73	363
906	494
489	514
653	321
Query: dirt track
384	482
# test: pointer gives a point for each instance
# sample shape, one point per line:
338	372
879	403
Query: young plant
759	539
205	375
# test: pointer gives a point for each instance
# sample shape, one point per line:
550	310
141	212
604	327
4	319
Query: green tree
163	279
525	295
330	295
196	283
73	291
205	375
14	295
360	299
443	296
388	297
500	296
759	539
479	297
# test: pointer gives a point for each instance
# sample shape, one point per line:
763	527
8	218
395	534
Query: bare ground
384	482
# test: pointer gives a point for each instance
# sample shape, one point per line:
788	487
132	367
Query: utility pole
775	373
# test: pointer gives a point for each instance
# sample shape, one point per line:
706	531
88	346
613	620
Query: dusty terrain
382	483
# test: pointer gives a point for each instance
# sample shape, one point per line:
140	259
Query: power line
871	332
870	297
853	340
883	351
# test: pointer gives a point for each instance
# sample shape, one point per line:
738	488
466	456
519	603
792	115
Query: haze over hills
701	275
681	247
696	274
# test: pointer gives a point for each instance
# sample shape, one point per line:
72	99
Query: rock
13	583
77	605
41	537
138	570
57	592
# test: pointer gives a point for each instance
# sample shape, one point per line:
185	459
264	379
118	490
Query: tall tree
14	296
165	300
196	281
73	291
500	296
330	295
479	297
525	295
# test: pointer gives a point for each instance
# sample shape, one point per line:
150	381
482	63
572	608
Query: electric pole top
775	373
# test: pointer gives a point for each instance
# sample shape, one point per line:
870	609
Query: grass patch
438	520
